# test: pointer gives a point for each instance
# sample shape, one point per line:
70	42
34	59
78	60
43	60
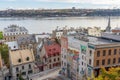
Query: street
51	75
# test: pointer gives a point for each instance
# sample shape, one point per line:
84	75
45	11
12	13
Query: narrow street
51	75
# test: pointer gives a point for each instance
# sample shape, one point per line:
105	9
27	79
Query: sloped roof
26	39
52	48
22	55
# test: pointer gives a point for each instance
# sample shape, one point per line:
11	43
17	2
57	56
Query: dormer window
54	49
27	58
14	46
19	60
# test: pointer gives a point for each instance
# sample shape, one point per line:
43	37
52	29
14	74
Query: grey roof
100	41
110	36
12	45
28	39
94	40
15	28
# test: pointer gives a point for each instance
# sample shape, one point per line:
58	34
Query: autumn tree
111	74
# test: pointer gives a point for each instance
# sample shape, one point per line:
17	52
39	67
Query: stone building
21	63
12	32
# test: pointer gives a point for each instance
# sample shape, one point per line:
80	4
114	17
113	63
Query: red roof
52	49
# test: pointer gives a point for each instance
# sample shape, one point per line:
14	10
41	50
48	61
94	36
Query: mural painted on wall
83	49
74	54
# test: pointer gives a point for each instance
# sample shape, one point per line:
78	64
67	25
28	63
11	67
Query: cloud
85	1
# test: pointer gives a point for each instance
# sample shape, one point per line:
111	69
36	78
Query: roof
41	36
27	39
100	41
111	36
21	55
52	49
12	45
97	40
15	28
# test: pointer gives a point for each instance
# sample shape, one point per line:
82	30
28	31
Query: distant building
21	63
95	31
39	37
12	32
116	31
58	33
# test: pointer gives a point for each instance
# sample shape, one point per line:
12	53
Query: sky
59	4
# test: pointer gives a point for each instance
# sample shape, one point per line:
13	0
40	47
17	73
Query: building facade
12	32
93	53
49	53
21	63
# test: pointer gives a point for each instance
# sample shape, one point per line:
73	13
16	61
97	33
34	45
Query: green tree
20	77
4	54
1	35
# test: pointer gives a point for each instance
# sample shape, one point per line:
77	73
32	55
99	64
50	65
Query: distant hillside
59	12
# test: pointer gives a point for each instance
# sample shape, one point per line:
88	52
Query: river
40	25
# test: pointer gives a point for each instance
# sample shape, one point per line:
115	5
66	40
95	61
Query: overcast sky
15	4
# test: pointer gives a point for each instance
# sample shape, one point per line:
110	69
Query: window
29	66
82	63
17	75
14	46
58	59
82	57
22	67
90	61
97	63
64	56
98	53
54	59
109	52
17	69
115	51
114	60
23	73
54	49
30	72
49	49
90	52
119	60
27	58
50	60
64	64
108	61
104	52
19	60
103	62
